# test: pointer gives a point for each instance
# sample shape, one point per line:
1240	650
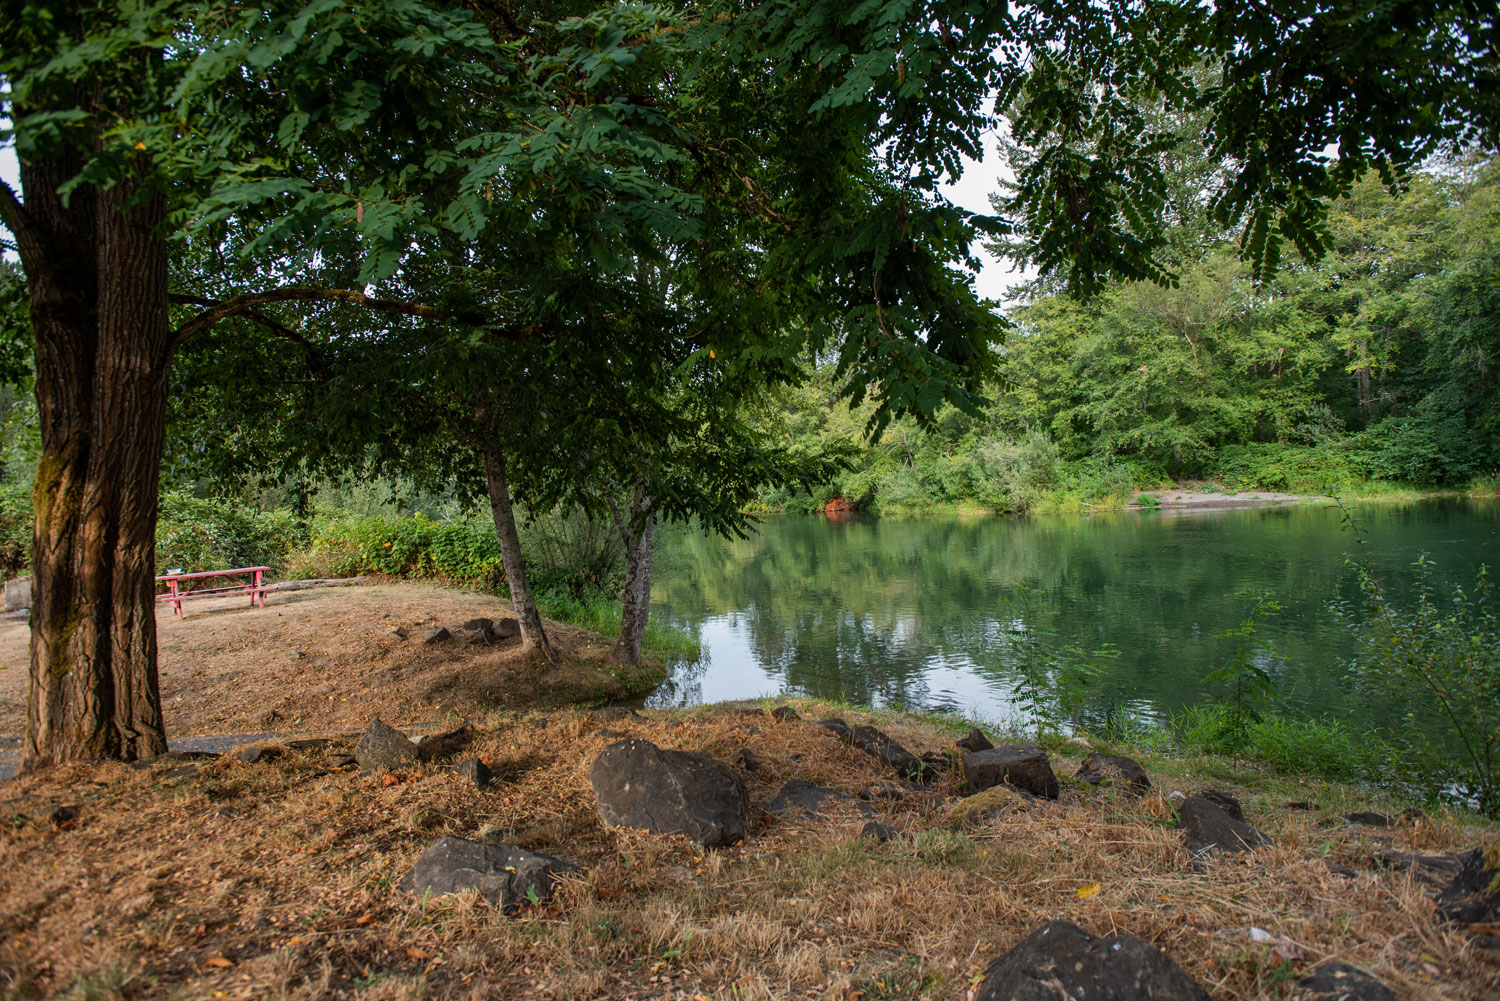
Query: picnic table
245	580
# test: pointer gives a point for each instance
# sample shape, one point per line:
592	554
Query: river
940	613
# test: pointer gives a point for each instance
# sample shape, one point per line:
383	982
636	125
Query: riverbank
281	876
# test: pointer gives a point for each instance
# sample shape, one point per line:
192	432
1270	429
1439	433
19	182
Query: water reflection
924	613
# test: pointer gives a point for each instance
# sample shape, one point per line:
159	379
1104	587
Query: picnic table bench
246	580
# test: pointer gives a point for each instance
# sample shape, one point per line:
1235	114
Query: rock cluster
508	876
485	631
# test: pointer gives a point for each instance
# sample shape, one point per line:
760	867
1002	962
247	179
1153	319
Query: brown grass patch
325	659
276	881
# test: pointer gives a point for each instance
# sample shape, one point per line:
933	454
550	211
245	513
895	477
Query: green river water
926	613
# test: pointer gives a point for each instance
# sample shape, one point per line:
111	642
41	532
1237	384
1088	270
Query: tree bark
533	635
638	532
96	272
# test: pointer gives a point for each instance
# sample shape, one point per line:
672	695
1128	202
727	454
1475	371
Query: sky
971	191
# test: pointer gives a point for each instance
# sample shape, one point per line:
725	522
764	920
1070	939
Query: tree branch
243	305
15	217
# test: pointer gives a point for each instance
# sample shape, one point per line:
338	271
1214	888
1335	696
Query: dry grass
276	881
325	659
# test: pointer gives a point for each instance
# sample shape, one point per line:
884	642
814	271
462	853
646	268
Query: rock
1062	962
255	755
1210	827
875	831
983	807
475	771
505	875
484	626
432	747
437	635
637	784
1370	819
894	792
835	726
975	741
1474	895
1224	801
1111	769
384	747
802	800
939	762
63	815
311	744
343	761
1438	871
747	760
401	632
506	628
1024	766
1342	870
1300	804
880	745
785	714
1342	982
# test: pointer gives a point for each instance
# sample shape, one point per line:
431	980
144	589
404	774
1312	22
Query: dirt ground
277	880
326	659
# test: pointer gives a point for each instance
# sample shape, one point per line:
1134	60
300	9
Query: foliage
195	534
1294	745
1245	676
1052	681
1440	657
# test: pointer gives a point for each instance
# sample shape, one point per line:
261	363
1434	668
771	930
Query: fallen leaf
219	961
389	781
364	919
296	940
1085	892
416	953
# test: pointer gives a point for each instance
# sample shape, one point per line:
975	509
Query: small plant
1250	687
1052	682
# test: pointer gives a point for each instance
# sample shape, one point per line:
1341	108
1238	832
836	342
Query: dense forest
1378	366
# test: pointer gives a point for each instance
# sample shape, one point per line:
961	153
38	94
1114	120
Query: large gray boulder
1211	828
505	875
1062	962
1024	766
384	747
637	784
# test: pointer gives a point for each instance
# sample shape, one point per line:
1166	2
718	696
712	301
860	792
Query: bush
459	552
196	534
1297	469
1440	658
15	529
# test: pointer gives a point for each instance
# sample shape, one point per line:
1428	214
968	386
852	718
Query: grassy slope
276	880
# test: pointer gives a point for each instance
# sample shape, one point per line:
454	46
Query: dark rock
974	742
1109	769
785	713
506	628
837	727
876	831
1370	819
484	626
475	771
60	815
384	747
748	761
436	746
894	792
506	875
344	761
255	755
1062	962
1342	870
1210	827
437	635
637	784
1225	801
1436	870
1300	804
1024	766
1342	982
802	799
939	762
880	745
1474	895
401	632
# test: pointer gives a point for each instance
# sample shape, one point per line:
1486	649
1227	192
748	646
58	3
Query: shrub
198	534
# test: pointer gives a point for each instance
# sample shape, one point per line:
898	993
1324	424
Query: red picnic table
247	580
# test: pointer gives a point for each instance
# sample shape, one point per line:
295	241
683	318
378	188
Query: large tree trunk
533	636
638	531
96	272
